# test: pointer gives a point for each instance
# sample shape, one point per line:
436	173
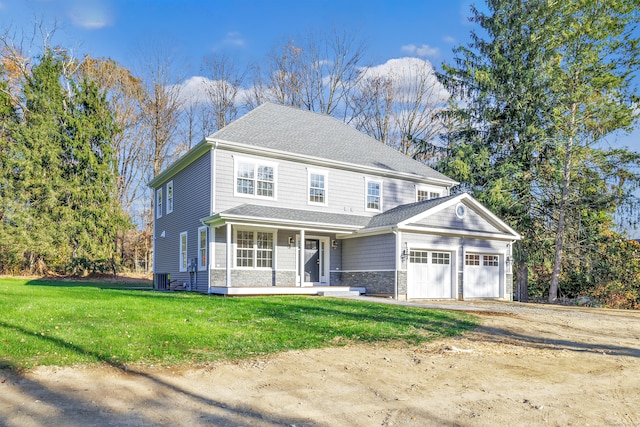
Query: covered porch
257	250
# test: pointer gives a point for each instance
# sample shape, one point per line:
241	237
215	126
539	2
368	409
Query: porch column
301	254
229	255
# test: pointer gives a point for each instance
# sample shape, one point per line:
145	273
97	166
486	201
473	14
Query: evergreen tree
497	149
66	172
546	83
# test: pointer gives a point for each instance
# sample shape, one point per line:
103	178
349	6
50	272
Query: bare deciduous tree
222	86
399	103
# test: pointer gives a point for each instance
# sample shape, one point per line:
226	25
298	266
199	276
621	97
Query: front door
312	260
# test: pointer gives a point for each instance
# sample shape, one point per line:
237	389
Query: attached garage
430	274
481	276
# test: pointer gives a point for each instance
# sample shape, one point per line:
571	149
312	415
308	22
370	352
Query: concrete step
339	293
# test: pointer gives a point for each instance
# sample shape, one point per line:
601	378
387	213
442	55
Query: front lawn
59	323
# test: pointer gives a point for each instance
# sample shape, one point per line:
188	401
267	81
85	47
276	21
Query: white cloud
424	51
91	15
406	74
194	90
449	39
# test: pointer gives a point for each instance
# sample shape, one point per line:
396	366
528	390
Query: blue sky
244	29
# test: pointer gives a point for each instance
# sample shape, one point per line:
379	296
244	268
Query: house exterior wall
191	202
345	189
368	262
447	218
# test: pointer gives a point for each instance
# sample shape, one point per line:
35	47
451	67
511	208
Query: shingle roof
296	215
386	219
404	212
307	133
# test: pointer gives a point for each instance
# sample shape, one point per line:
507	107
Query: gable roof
309	134
400	217
404	212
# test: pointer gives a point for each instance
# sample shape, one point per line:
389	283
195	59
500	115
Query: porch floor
286	290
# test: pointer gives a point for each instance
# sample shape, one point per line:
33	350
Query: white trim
380	182
325	258
182	267
206	247
468	200
325	174
257	163
361	271
214	169
254	230
170	199
430	189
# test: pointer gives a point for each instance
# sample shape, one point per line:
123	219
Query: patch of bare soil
526	365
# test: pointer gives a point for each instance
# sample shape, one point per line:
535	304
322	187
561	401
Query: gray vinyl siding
191	202
447	218
461	244
345	189
369	253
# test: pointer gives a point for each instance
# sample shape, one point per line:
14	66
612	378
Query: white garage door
429	274
482	276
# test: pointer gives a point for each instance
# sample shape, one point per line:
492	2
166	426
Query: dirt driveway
526	365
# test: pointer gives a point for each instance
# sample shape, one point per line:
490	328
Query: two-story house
289	201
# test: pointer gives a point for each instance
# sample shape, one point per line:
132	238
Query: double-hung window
374	195
170	197
183	251
159	202
317	188
255	178
202	248
254	249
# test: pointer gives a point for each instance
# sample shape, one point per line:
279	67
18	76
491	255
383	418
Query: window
255	179
183	251
202	248
426	194
159	202
170	197
440	258
317	188
374	195
490	260
254	249
420	257
472	259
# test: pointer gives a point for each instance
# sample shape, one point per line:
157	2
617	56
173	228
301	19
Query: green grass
66	323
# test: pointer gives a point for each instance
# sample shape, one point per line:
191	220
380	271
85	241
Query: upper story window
426	193
317	187
255	178
170	197
374	195
159	202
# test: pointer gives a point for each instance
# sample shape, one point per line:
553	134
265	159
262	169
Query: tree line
521	118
